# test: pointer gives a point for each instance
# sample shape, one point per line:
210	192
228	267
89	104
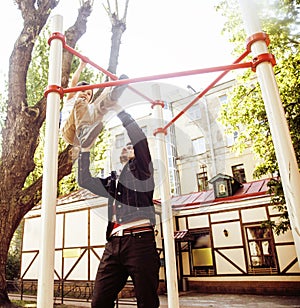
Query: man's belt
132	231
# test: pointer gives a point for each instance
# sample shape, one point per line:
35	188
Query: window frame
194	113
202	179
120	140
202	269
265	260
199	145
238	173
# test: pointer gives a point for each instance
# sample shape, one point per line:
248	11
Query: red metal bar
260	36
264	57
54	88
226	68
87	60
59	36
159	130
242	56
117	82
158	102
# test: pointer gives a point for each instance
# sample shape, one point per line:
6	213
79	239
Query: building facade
221	243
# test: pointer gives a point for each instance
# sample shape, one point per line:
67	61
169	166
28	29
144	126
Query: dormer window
224	185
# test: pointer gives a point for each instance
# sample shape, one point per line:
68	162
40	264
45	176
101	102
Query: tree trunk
20	136
23	123
118	27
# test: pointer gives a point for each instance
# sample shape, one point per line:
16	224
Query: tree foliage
245	110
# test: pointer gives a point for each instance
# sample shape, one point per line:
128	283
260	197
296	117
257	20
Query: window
102	173
260	247
120	141
202	260
223	99
199	145
202	179
194	112
231	138
238	173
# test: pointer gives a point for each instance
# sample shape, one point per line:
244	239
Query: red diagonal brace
104	71
54	88
264	57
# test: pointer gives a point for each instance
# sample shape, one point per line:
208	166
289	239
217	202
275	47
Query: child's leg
88	125
79	117
101	104
82	115
108	98
68	131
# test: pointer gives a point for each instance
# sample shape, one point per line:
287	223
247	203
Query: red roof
78	195
248	190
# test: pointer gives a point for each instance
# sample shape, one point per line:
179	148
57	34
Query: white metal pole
167	215
284	150
49	187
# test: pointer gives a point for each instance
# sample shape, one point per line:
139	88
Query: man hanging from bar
131	247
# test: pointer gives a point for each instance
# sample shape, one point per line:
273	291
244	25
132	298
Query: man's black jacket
132	194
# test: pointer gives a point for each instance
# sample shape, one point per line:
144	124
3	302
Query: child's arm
75	78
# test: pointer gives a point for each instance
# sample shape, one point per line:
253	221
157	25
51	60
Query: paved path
192	300
231	300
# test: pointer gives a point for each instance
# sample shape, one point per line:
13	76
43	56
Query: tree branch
73	34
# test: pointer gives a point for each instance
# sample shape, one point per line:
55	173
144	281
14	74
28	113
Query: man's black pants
132	255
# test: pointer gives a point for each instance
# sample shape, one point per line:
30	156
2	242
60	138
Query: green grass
28	304
20	303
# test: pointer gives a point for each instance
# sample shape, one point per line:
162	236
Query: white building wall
80	240
218	156
227	223
87	228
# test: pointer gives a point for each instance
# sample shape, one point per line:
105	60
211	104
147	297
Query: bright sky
161	37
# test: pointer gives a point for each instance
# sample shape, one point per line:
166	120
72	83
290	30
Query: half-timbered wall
233	245
79	240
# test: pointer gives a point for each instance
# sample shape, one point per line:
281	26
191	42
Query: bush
13	266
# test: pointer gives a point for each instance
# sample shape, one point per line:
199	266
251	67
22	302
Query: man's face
127	153
85	95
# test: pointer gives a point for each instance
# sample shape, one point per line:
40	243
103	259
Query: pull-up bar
116	82
160	76
285	154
